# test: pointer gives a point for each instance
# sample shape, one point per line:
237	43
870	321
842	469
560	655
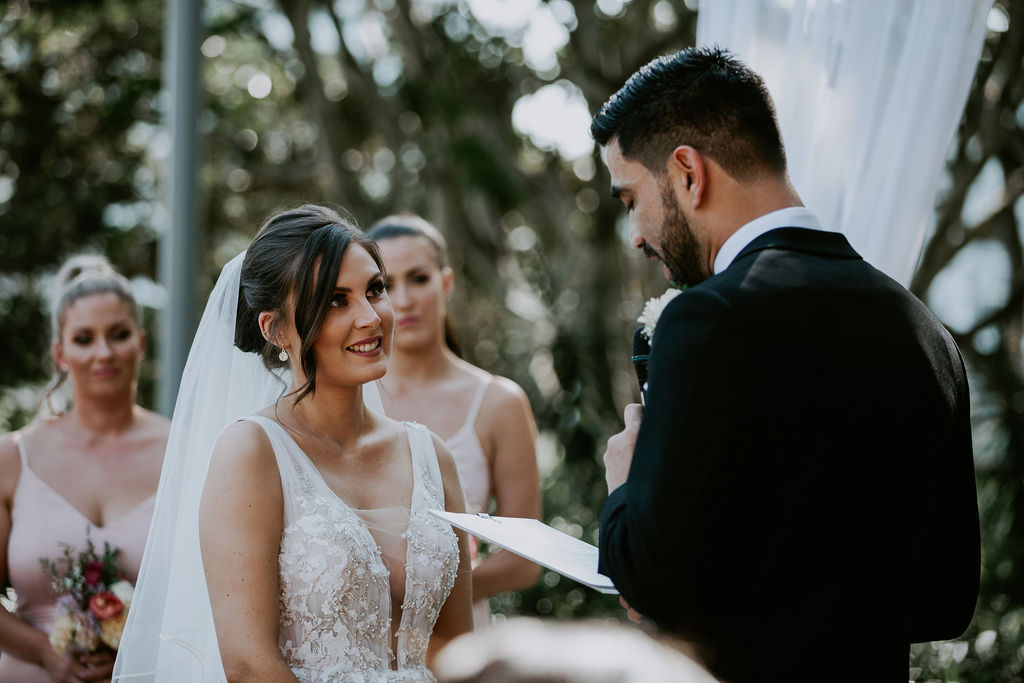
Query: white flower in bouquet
124	592
652	311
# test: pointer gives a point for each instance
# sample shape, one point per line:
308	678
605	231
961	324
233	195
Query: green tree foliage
388	105
78	87
988	150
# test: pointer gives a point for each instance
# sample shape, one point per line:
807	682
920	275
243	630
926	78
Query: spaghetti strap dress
42	521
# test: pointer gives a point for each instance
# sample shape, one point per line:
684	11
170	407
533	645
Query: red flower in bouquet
105	605
92	572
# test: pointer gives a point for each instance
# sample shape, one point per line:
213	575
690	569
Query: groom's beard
679	249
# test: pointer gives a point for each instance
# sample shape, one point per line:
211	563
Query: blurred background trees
432	106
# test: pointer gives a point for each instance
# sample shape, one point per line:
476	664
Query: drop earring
283	356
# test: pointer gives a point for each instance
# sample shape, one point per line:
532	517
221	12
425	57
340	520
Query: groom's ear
687	165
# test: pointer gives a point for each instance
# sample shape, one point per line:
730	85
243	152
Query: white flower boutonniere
653	308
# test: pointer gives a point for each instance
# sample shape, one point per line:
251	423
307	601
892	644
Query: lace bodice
335	598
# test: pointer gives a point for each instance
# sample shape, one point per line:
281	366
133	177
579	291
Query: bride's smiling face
354	342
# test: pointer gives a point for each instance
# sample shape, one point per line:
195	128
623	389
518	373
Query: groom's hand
619	453
631	613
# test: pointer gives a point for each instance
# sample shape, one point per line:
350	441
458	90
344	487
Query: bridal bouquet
94	599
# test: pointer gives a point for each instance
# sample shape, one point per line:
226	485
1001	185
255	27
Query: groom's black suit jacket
801	502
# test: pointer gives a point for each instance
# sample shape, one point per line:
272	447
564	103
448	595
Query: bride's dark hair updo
294	260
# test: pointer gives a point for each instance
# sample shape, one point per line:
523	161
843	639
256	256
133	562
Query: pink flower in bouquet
93	573
105	605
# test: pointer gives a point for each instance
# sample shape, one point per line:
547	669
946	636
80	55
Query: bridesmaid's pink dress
475	476
41	520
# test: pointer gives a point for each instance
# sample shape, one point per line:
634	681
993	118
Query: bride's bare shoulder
243	443
386	428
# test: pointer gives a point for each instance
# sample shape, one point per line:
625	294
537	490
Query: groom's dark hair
701	97
296	255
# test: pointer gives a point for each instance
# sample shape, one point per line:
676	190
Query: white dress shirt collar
790	217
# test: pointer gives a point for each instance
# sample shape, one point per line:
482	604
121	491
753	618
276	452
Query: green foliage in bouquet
84	574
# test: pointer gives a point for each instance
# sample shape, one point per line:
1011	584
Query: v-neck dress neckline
318	478
335	598
37	481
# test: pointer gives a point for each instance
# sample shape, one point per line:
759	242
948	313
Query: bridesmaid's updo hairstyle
294	261
83	275
411	225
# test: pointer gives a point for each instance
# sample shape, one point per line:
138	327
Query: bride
292	540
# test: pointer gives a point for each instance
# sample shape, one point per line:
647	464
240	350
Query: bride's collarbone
366	478
367	454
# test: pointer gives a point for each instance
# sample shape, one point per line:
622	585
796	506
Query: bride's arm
240	522
456	615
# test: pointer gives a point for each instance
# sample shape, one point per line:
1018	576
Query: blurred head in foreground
525	650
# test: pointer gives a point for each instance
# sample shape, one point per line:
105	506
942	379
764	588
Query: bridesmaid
93	467
486	421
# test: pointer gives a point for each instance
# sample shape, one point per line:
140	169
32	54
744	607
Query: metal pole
177	249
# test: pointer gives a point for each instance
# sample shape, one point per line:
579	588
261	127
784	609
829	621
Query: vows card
538	543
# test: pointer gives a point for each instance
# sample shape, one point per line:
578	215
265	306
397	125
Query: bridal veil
169	635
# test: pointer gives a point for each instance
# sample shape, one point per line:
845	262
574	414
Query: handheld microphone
641	356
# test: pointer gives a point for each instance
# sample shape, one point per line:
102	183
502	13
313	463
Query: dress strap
20	443
296	469
474	407
422	446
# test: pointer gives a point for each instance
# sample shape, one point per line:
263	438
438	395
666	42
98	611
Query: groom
797	498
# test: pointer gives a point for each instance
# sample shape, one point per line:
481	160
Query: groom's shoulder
705	311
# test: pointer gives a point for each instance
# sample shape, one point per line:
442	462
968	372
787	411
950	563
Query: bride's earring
283	356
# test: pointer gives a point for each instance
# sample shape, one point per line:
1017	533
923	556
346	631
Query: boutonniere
653	308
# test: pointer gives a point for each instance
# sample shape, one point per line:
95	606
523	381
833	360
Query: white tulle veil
169	635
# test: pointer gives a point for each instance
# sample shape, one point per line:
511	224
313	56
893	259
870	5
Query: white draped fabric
868	94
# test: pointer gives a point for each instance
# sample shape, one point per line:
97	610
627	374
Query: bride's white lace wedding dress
337	586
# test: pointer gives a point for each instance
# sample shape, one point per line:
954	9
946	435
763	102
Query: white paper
537	542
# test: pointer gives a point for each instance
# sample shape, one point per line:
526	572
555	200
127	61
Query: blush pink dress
41	520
